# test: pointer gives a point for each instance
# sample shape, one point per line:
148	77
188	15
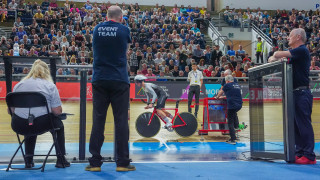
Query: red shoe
297	157
304	160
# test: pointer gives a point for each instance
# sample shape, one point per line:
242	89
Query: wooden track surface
272	111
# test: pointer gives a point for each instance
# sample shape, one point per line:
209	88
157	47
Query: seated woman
39	80
3	12
202	66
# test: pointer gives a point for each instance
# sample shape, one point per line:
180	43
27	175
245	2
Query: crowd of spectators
165	41
278	24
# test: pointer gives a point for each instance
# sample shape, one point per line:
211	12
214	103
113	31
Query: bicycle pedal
170	129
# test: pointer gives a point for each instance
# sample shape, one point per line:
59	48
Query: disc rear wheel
189	128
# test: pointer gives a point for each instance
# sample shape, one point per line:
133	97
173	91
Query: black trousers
233	122
40	125
104	93
193	90
304	136
259	55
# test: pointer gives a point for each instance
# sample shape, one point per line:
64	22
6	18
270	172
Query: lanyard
195	75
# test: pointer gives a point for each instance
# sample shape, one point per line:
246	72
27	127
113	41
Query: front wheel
144	128
189	128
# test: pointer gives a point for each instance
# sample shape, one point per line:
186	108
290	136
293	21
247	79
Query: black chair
31	100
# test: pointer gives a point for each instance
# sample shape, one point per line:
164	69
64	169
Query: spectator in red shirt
79	38
284	14
246	59
150	74
208	71
53	5
144	69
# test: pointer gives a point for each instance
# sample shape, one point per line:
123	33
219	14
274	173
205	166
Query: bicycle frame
176	113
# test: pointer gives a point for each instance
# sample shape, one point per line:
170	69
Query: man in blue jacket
232	91
300	59
110	85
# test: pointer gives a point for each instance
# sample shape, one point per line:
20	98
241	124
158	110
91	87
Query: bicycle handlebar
177	103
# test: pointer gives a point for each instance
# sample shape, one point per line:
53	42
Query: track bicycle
184	124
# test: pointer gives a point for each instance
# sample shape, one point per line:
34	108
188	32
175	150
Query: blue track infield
169	160
176	170
160	151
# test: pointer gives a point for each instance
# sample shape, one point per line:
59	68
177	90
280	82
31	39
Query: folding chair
31	100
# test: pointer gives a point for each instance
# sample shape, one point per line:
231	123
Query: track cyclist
156	92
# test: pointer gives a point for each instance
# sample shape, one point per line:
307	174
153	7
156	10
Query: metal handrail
15	14
90	66
58	66
169	78
132	77
265	37
87	67
248	44
220	21
214	29
220	38
60	76
314	71
243	21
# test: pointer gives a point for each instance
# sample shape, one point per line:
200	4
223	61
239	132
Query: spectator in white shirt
158	59
12	5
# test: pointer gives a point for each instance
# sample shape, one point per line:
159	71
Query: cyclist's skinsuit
155	92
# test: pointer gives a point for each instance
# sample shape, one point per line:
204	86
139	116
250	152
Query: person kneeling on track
234	104
157	93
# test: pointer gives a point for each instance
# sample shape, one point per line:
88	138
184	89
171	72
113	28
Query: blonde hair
40	70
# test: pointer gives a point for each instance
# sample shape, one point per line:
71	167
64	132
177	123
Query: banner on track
180	90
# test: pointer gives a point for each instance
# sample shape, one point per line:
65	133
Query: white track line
157	162
164	142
